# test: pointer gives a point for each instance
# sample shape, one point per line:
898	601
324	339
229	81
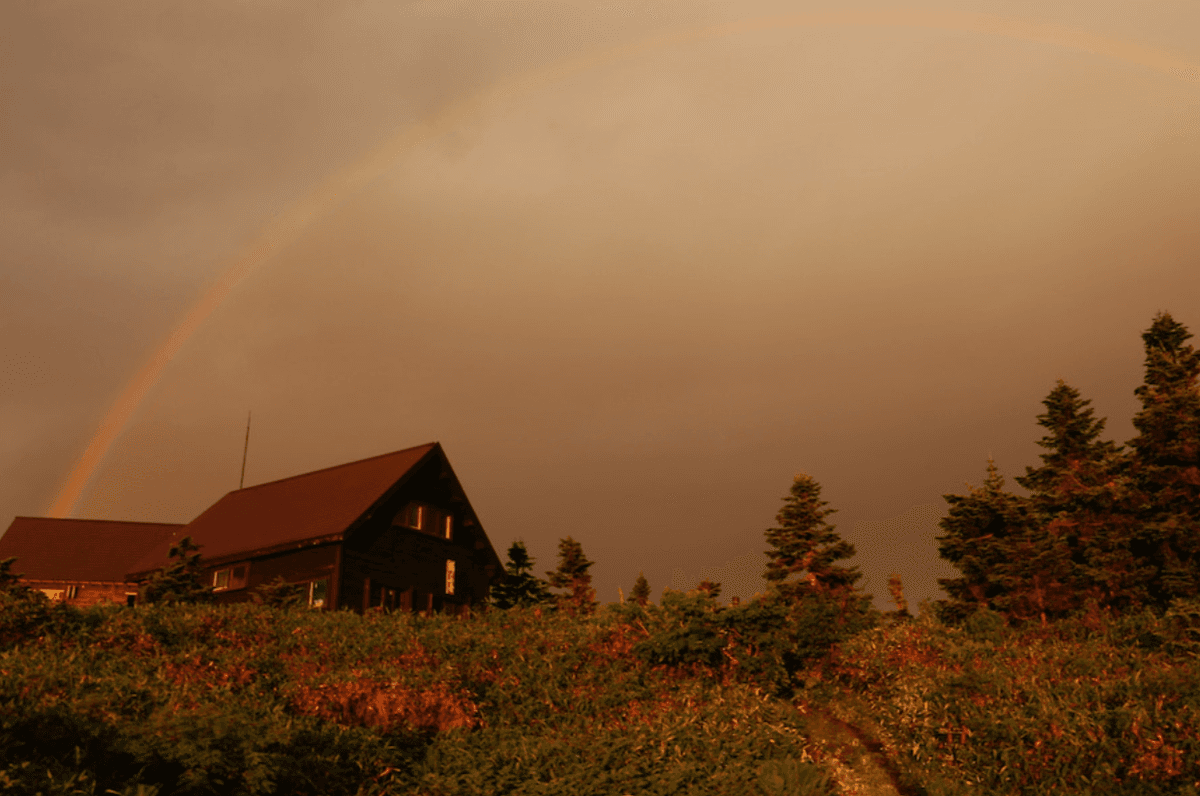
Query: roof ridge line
332	467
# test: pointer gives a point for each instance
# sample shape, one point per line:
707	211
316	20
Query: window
412	516
317	591
449	576
447	527
71	593
230	578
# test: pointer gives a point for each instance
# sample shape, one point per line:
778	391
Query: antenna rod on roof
245	450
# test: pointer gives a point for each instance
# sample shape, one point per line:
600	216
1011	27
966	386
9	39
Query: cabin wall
83	593
295	566
386	565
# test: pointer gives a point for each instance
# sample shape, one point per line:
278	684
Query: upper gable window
412	516
448	527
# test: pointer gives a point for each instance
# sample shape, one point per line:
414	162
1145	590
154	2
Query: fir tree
10	581
989	536
1080	497
519	587
1166	467
641	590
803	543
181	579
896	588
572	574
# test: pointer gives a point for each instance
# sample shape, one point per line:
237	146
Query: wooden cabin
393	532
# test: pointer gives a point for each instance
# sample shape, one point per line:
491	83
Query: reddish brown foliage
387	706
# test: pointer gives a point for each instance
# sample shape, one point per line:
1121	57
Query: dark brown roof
49	548
293	510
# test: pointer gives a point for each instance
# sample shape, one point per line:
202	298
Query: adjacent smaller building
81	562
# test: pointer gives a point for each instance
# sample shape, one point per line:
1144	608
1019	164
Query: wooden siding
87	592
295	566
387	565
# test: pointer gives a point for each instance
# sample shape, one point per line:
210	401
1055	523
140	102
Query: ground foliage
249	699
1098	704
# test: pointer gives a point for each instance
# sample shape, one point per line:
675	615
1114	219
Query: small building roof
51	548
291	511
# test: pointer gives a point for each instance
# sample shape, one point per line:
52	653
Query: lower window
317	592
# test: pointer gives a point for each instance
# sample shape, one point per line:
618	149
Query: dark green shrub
1181	634
181	579
764	641
987	626
280	594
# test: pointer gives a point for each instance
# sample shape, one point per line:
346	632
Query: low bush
764	642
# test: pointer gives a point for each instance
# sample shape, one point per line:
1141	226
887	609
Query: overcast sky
633	263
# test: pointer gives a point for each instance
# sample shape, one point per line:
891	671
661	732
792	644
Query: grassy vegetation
684	698
248	699
1090	705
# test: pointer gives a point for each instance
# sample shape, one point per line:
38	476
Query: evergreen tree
9	580
896	588
710	589
989	536
804	543
641	590
572	574
1080	497
519	587
181	579
1166	469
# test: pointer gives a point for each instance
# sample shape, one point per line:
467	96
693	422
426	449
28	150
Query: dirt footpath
860	768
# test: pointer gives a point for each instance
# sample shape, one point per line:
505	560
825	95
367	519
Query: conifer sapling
572	574
641	590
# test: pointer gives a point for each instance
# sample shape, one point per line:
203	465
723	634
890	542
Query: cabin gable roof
291	512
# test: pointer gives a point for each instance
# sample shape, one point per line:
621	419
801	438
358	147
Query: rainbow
289	225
